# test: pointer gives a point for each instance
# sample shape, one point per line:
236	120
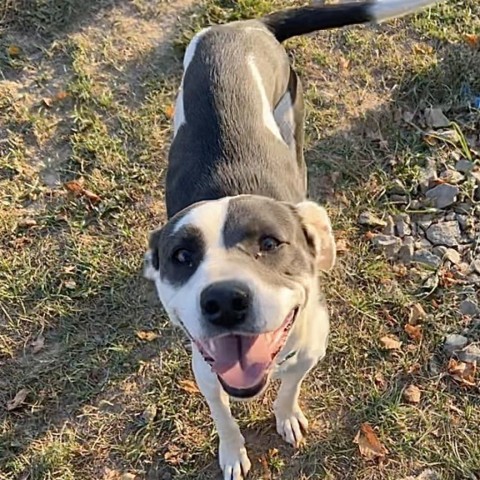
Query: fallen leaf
417	313
27	223
47	101
343	63
342	245
70	284
390	343
189	386
38	344
414	332
462	372
412	394
415	368
421	48
18	400
62	95
368	443
93	197
370	235
173	455
472	39
169	111
14	50
74	186
147	336
380	381
436	118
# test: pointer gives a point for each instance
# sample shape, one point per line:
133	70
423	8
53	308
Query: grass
86	92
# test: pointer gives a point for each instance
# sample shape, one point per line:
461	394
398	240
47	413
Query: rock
423	244
476	176
389	227
450	216
427	258
454	342
427	175
464	208
425	475
464	166
470	354
469	307
464	221
474	279
415	205
402	224
405	254
439	251
444	233
435	118
368	219
424	221
453	256
443	195
387	243
475	265
452	176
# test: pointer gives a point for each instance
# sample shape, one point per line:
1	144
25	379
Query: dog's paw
291	425
234	460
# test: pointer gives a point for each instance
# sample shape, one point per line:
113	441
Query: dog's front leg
232	453
289	416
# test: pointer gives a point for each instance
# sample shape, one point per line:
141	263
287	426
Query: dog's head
236	274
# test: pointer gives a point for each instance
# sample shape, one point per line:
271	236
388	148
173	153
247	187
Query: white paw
234	460
291	425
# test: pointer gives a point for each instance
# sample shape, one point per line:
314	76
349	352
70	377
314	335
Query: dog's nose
225	303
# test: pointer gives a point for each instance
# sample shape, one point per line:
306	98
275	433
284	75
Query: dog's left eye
268	244
183	256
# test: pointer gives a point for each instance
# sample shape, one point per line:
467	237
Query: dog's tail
299	21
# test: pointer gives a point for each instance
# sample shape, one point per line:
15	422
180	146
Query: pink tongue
241	361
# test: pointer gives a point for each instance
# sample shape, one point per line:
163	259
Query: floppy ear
151	261
318	230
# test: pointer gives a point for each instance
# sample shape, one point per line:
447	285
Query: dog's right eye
183	256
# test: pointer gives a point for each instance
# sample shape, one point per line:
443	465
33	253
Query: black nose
225	303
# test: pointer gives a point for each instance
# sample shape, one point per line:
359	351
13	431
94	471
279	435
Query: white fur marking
179	116
385	10
268	118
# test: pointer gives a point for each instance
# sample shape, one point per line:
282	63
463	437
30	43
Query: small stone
387	243
475	266
452	176
427	258
452	256
424	221
463	208
464	166
427	175
405	254
389	227
476	176
436	118
474	279
470	354
368	219
423	244
469	307
465	221
402	224
450	216
439	251
399	199
443	195
415	205
454	342
445	233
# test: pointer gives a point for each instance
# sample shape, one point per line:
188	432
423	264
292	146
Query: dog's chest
285	362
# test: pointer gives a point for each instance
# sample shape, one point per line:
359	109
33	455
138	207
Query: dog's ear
318	231
151	263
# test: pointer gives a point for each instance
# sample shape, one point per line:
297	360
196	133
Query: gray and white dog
236	265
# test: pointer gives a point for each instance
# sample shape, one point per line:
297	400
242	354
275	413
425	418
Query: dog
237	264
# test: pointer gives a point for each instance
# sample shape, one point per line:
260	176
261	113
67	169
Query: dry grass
85	95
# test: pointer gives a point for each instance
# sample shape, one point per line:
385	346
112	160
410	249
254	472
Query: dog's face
236	274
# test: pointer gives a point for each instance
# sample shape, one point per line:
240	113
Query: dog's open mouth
243	361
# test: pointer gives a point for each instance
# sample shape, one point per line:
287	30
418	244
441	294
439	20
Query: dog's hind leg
232	453
291	422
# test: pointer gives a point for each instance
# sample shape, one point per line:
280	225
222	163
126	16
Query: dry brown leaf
380	381
342	245
27	223
14	50
412	394
343	63
189	386
369	235
74	186
38	344
93	197
414	332
173	455
18	400
472	39
368	443
417	313
70	284
62	95
147	336
390	343
169	111
462	372
420	48
47	101
415	368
